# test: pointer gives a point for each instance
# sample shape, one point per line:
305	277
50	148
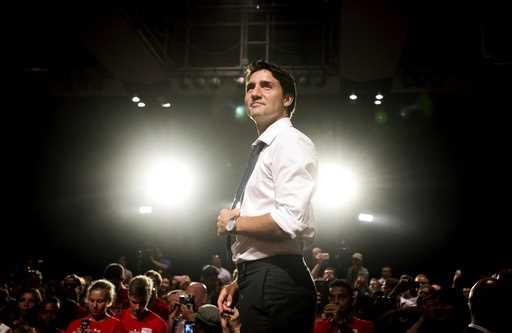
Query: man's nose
255	93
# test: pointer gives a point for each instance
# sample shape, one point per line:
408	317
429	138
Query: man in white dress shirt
274	288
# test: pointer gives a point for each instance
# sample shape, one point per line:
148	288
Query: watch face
230	226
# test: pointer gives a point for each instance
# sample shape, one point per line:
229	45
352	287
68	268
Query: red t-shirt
108	325
151	323
357	325
160	308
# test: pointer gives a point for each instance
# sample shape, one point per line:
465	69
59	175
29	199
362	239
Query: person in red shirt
156	304
338	315
138	318
100	296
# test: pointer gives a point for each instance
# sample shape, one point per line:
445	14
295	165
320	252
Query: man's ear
287	100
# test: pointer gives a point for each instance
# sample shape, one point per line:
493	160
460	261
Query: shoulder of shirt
113	318
283	130
291	135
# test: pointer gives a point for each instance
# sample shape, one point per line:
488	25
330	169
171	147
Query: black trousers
276	294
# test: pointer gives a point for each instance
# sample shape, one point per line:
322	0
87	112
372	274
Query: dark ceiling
439	46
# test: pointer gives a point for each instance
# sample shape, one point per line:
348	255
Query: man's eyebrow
265	83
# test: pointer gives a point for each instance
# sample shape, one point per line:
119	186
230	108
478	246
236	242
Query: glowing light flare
240	112
145	210
366	218
337	186
169	183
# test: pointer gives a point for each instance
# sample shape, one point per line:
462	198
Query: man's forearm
262	227
315	272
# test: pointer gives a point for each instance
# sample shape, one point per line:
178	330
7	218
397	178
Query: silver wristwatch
231	226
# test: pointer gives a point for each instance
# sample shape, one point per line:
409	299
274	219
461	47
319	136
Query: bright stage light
337	186
367	218
145	210
169	183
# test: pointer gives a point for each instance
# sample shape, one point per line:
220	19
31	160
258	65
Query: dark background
436	167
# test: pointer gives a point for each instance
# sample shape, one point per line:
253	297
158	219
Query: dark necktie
253	158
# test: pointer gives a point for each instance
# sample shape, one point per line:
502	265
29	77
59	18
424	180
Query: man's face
264	98
341	297
166	285
138	305
386	272
356	262
386	288
328	274
48	313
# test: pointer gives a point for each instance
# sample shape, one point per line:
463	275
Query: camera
323	256
186	299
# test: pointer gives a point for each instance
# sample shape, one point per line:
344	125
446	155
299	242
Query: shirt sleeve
294	171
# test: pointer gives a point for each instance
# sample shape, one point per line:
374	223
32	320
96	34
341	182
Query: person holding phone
100	297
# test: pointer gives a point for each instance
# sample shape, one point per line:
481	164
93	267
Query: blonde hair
103	284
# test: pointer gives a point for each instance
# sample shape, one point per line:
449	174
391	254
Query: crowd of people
153	301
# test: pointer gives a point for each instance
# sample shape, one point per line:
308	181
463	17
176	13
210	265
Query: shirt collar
479	328
273	130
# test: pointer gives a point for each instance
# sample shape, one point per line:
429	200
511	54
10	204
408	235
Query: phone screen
189	328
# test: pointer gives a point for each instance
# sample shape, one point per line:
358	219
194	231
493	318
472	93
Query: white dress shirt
283	183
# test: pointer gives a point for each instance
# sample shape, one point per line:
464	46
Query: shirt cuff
286	222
